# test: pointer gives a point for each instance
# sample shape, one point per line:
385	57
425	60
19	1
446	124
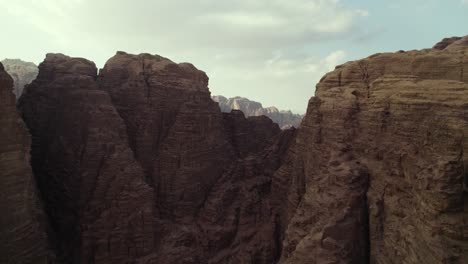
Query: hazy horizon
273	52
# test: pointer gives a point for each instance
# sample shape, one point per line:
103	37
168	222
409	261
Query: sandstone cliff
379	164
22	225
285	119
22	72
94	192
138	163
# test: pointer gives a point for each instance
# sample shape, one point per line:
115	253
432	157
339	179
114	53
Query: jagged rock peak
17	62
140	165
22	73
157	71
63	64
285	119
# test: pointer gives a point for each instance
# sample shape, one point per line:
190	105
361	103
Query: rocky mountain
379	164
22	226
22	72
285	119
137	164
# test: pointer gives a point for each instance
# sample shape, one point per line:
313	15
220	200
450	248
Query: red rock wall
22	224
97	201
138	163
382	151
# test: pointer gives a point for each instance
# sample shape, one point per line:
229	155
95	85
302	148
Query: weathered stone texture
383	149
22	224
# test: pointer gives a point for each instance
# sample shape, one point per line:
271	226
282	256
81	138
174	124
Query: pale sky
271	51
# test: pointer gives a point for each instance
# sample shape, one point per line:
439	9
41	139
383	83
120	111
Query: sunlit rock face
22	72
285	119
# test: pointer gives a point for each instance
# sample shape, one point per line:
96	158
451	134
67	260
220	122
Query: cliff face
285	119
22	225
22	72
193	160
379	164
94	192
138	163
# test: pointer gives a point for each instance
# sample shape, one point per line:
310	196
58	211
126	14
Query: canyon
135	163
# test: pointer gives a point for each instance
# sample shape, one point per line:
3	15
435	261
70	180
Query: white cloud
334	59
283	66
244	19
224	38
235	24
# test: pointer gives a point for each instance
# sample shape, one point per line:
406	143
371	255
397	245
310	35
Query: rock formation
285	119
22	225
94	192
22	72
137	164
380	162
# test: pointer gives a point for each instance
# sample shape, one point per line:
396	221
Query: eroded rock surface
382	158
94	191
193	158
22	224
285	119
22	72
139	164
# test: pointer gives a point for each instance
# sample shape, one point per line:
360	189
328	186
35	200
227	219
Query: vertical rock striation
174	129
197	161
22	227
382	152
137	164
94	191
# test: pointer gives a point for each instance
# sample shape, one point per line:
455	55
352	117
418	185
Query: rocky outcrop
94	192
194	160
285	119
139	164
22	72
378	169
445	43
22	226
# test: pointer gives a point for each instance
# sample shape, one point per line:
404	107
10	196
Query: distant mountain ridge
22	72
285	119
